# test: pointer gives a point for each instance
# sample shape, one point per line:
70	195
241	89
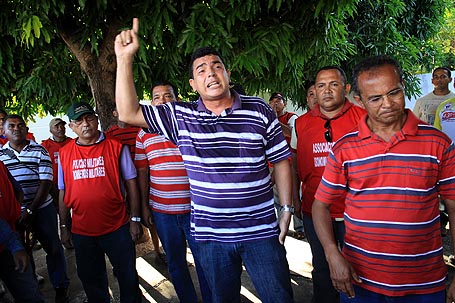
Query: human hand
127	42
342	274
450	297
66	238
135	231
147	217
20	260
285	220
298	209
25	220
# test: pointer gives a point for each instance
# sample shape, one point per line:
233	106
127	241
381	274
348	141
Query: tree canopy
57	52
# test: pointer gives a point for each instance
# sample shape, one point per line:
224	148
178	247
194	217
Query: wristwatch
288	208
136	219
28	211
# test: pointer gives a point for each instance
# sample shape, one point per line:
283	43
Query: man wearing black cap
90	169
53	144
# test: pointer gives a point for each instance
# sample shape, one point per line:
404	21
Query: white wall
426	87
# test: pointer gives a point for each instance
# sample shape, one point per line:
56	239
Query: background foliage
55	52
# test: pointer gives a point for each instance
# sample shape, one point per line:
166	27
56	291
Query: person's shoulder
181	104
445	102
429	96
254	103
307	116
46	142
351	137
68	145
35	146
357	110
252	99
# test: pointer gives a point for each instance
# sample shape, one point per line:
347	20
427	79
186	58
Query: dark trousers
22	286
46	231
323	291
91	265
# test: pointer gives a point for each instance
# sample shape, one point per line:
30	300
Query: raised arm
126	45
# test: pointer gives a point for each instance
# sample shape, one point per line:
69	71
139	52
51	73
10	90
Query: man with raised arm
225	140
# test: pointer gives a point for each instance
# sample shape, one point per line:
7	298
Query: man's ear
348	88
359	101
192	84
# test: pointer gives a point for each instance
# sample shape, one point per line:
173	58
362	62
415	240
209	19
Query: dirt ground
156	286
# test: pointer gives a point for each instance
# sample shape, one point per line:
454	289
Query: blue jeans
174	231
323	291
44	225
365	296
264	260
23	286
91	265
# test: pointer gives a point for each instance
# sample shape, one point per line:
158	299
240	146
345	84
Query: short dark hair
165	83
13	116
446	69
308	84
371	63
202	52
329	67
2	111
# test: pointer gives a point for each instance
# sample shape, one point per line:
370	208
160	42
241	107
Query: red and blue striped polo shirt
393	236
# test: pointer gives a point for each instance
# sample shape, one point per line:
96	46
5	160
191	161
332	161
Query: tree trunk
102	83
101	72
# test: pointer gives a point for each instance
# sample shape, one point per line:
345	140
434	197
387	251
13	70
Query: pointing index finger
136	25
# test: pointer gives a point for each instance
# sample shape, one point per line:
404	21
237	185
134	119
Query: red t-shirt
312	149
53	148
91	176
126	136
10	208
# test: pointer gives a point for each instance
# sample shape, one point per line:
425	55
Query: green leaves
273	45
31	29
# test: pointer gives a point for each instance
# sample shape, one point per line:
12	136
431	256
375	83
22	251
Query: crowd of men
363	181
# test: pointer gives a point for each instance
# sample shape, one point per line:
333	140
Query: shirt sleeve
9	238
447	175
126	164
61	183
437	118
45	166
293	143
161	120
333	184
291	121
14	183
140	157
276	148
